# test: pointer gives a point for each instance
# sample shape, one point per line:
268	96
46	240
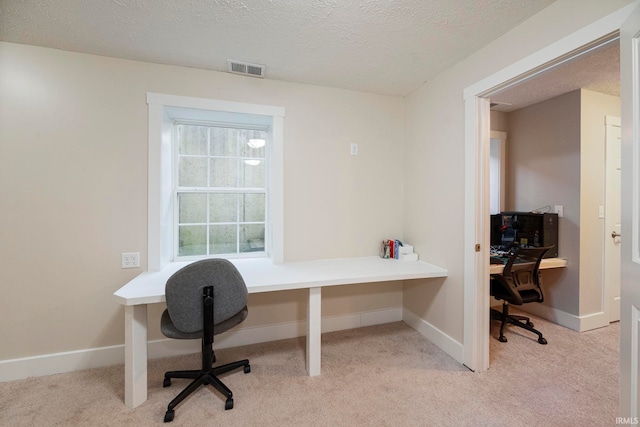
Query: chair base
520	321
201	377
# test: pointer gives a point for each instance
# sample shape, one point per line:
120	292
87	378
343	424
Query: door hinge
477	247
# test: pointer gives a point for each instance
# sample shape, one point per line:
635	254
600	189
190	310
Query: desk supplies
395	249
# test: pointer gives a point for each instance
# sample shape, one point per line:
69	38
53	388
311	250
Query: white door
630	261
612	218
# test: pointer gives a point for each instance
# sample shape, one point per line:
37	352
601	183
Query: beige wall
73	179
500	121
544	170
434	159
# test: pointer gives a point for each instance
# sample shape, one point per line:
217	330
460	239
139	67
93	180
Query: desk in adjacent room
546	263
260	275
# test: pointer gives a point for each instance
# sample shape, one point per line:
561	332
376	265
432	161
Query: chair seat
530	296
169	330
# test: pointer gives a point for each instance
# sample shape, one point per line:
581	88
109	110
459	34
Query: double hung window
220	188
215	179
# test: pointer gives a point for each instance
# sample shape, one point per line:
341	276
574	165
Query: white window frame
162	112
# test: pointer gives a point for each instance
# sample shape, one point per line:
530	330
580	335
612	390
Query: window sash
239	225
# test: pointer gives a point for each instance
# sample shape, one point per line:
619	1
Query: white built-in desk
260	275
546	263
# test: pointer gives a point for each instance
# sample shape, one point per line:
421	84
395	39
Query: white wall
73	179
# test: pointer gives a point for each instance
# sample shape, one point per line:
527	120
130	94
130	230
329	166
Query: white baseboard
48	364
450	346
55	363
571	321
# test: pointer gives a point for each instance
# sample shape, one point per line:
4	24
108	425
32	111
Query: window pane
224	141
223	207
252	207
192	207
192	139
251	174
192	240
222	239
224	172
252	237
252	143
193	172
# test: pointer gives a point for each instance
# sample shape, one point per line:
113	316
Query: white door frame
629	406
477	137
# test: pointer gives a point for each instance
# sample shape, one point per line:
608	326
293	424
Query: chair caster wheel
247	369
228	404
166	382
168	416
542	340
502	339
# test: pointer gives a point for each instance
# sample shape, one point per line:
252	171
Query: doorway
476	325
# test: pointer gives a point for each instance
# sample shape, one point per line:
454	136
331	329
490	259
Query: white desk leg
314	330
135	355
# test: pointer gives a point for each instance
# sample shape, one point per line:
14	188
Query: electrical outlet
130	259
559	209
354	149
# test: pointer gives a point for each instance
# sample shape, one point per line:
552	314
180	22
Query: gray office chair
519	284
204	299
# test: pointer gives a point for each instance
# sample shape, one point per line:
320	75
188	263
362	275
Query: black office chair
204	299
519	284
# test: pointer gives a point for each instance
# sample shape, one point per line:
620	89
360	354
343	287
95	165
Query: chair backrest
184	293
523	268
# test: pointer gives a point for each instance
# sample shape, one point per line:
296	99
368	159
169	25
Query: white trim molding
160	230
449	345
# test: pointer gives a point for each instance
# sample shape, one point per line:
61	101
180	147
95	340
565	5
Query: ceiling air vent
245	68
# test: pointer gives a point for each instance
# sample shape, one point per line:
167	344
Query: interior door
612	218
630	261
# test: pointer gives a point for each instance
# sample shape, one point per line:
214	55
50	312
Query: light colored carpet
386	375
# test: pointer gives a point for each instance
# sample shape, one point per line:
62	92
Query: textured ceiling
598	70
380	46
